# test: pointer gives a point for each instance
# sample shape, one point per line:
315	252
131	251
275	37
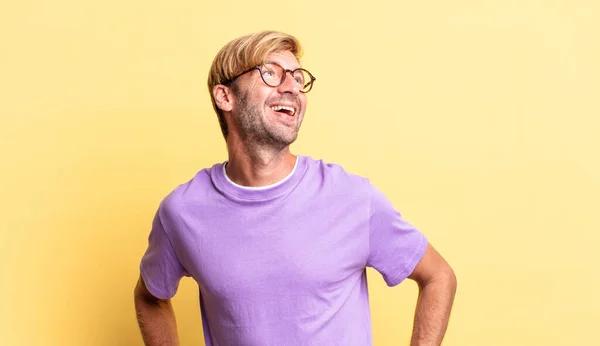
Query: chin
286	140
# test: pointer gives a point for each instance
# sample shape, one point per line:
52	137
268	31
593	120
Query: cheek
259	100
303	102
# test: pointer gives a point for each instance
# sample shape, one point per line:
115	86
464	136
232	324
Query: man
279	243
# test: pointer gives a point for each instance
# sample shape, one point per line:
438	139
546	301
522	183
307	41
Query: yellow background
479	120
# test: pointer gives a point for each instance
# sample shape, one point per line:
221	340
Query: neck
258	166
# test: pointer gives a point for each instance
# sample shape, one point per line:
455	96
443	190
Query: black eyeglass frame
285	72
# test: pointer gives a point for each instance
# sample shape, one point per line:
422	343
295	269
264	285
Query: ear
223	97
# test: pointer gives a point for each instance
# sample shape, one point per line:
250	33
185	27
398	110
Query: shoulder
343	181
190	192
336	176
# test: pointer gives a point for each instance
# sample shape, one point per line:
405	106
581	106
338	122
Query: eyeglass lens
273	75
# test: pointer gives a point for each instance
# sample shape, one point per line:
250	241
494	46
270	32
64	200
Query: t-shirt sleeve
395	246
160	267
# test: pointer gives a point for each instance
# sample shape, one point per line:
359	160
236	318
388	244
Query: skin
259	138
437	287
155	316
259	154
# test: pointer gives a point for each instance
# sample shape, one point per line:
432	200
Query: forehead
284	58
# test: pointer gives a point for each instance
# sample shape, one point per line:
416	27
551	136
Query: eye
270	72
299	77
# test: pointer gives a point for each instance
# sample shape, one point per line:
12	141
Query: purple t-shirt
283	264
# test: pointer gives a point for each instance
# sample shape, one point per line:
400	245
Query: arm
437	287
155	317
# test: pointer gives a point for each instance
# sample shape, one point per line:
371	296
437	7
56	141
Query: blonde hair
243	53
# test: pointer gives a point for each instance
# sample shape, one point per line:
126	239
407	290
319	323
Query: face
265	115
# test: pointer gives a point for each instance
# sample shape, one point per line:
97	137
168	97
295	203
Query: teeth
292	110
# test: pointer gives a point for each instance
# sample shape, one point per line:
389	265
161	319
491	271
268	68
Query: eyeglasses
274	74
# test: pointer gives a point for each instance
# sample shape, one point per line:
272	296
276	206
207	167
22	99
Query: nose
289	84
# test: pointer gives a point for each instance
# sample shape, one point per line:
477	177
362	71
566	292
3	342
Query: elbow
453	281
444	278
448	276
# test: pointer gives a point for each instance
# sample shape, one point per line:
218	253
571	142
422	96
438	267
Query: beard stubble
257	131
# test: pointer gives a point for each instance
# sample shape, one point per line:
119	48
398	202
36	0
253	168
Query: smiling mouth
290	111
